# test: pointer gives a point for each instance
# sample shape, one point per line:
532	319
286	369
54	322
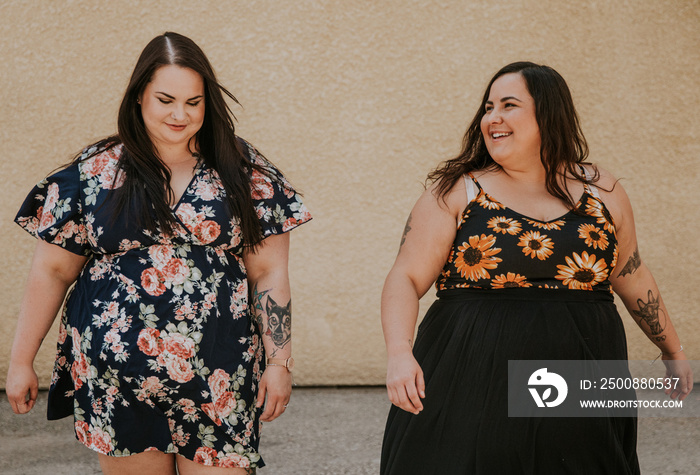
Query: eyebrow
171	97
505	99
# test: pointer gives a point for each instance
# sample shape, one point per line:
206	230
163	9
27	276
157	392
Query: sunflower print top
497	248
156	348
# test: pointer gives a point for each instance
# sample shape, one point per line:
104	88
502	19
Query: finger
272	410
262	391
22	407
414	399
405	400
279	410
679	388
688	389
265	416
281	403
685	386
33	395
420	384
18	403
394	397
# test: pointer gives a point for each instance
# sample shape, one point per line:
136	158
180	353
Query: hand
22	388
404	382
276	385
677	366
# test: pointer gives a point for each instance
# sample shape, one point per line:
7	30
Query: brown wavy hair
563	143
146	189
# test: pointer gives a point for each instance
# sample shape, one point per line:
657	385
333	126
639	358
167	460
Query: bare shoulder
453	201
613	194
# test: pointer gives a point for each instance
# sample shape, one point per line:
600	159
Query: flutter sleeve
53	212
279	206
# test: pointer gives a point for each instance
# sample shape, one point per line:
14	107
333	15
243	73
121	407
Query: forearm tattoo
257	304
652	314
274	320
279	322
632	265
406	229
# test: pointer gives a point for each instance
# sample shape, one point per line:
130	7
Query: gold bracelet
667	354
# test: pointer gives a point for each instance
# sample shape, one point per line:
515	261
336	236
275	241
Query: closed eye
164	101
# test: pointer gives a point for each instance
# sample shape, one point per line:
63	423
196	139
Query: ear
270	304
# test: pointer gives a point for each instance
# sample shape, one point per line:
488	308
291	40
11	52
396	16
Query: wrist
399	347
666	353
287	363
22	360
678	354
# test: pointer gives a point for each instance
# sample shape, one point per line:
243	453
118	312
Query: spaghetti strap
472	187
592	190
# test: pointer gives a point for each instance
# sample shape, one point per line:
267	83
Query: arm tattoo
279	322
257	304
272	319
406	229
649	312
632	264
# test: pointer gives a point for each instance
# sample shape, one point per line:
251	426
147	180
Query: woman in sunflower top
173	234
525	243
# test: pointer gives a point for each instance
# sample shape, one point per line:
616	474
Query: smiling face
509	124
172	107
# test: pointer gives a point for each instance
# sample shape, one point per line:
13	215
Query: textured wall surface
356	102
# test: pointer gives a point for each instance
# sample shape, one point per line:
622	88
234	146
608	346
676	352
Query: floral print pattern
497	248
582	272
157	328
475	257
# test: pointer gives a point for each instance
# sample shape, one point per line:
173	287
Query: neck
531	176
174	157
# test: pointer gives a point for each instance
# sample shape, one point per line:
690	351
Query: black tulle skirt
464	344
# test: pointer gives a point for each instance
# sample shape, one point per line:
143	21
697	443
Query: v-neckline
483	192
576	206
197	168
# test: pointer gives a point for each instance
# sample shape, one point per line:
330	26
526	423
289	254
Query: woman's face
172	107
509	125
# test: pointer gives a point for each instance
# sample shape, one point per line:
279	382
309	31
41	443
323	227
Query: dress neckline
576	206
197	169
483	193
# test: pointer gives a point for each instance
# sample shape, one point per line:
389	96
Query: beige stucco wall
356	101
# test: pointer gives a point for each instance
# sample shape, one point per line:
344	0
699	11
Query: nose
494	117
178	113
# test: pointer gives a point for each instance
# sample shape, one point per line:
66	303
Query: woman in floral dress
172	238
525	243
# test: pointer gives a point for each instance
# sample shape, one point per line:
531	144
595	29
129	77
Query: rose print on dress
149	303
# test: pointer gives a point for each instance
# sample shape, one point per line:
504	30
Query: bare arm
271	307
52	272
633	282
425	246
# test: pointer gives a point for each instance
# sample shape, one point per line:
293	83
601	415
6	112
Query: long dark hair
147	178
563	144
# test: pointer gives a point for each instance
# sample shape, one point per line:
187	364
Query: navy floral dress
157	349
